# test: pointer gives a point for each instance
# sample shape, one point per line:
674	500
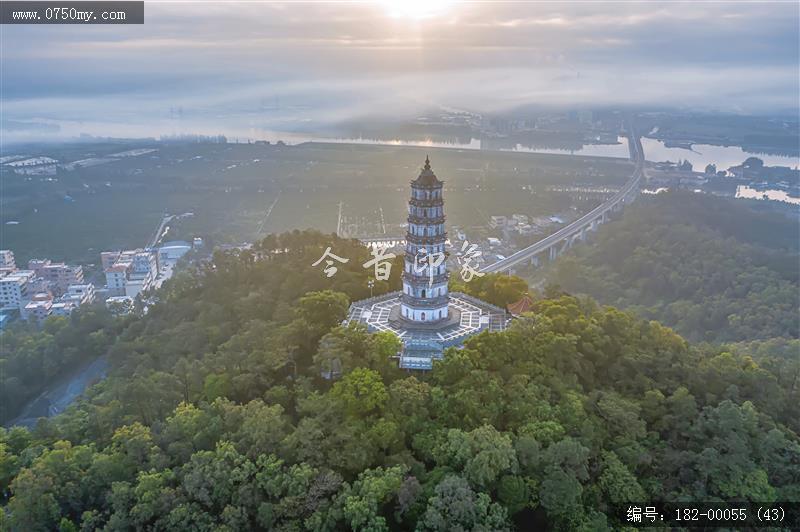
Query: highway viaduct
552	246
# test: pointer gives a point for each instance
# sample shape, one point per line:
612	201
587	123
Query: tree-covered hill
712	268
215	417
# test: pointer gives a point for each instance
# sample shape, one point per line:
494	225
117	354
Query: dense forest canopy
31	358
712	268
215	415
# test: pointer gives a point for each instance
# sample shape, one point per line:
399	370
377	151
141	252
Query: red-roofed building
520	307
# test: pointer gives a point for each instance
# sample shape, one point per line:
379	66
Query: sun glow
416	9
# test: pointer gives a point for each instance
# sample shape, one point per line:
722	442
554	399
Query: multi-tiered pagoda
425	316
425	298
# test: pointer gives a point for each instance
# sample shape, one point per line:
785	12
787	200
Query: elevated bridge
549	248
552	246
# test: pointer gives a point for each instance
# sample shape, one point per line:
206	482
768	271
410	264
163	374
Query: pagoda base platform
453	318
425	342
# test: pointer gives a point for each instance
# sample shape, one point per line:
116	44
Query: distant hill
712	268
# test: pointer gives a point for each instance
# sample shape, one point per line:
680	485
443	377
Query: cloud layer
258	65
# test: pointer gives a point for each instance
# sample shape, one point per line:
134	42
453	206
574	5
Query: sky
253	67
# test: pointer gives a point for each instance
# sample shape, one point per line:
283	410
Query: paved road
164	221
61	394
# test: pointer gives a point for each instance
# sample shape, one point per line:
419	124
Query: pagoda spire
426	175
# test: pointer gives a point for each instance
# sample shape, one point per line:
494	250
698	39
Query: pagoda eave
426	221
421	279
427	185
438	239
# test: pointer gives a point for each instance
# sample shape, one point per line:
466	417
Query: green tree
361	392
482	454
455	506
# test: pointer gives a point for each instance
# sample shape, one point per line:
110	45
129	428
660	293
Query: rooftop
426	176
523	305
18	276
175	244
39	304
77	288
119	266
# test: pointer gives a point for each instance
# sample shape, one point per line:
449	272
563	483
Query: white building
62	308
133	287
7	259
108	258
498	221
14	289
173	250
37	308
79	294
526	229
541	221
116	277
57	275
145	262
129	272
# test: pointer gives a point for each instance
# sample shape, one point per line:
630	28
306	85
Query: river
700	155
703	154
743	191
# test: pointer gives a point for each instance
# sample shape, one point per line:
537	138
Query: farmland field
118	202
